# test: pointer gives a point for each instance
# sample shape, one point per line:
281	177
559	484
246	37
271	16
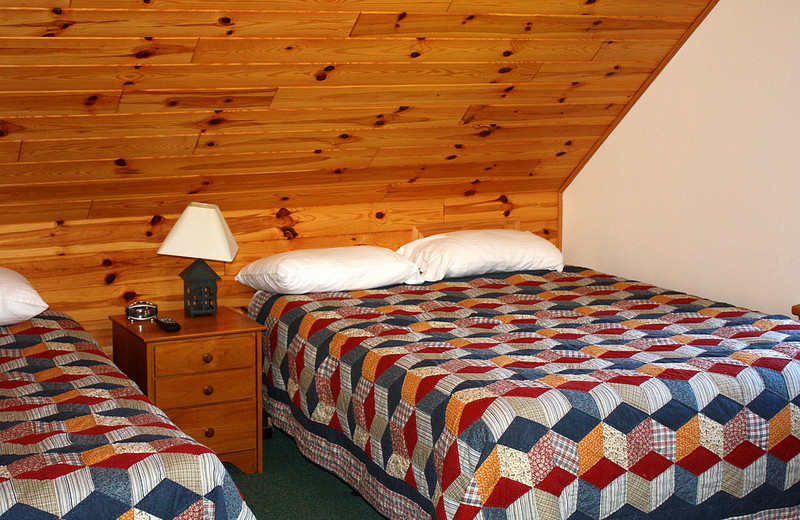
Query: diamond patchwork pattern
78	440
573	395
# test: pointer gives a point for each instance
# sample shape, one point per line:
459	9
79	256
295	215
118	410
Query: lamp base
199	289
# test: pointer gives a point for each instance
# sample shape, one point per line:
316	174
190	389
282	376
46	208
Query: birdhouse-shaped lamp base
199	289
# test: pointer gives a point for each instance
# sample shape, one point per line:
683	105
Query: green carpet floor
292	488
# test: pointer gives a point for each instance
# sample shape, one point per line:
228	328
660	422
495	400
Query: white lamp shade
200	232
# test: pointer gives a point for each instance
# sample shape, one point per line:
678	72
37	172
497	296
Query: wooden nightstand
796	310
206	377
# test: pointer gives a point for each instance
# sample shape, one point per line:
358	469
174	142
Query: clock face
141	311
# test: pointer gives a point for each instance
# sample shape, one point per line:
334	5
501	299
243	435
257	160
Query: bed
540	394
79	441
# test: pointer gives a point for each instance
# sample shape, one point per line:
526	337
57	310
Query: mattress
79	441
540	395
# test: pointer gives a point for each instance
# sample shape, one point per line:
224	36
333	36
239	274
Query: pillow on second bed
476	252
19	301
328	270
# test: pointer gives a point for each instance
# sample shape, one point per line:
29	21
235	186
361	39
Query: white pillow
328	270
19	301
476	252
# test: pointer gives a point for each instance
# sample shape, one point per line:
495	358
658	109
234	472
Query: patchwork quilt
79	441
541	395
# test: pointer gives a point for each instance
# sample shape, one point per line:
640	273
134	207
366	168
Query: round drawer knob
208	390
208	357
210	432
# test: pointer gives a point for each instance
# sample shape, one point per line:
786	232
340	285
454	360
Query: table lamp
202	233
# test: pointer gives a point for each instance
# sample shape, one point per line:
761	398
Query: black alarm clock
141	310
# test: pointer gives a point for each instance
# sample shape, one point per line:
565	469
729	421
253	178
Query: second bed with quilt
540	395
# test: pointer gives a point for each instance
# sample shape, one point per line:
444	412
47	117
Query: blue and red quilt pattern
544	395
79	441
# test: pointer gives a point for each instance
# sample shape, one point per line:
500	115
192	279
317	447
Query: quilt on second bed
548	395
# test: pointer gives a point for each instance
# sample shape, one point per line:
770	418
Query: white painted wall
698	189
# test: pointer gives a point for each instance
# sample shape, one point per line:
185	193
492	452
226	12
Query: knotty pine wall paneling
311	123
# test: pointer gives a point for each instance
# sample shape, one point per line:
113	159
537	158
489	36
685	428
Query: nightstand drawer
204	389
222	427
204	355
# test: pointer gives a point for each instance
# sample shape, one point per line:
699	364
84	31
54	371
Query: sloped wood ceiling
300	118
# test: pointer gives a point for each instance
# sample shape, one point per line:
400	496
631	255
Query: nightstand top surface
225	321
796	310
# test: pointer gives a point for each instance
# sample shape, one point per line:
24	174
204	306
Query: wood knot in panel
8	128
